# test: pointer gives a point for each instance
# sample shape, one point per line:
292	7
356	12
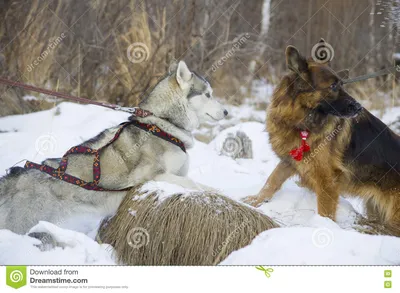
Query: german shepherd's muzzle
344	106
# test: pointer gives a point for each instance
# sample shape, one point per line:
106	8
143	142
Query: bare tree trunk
371	61
309	32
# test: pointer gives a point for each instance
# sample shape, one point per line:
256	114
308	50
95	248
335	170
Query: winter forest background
86	47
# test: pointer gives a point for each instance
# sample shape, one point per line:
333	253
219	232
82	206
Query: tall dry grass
92	59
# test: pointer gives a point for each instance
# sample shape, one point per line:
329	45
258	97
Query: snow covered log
158	224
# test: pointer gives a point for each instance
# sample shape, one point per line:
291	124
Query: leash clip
125	109
135	111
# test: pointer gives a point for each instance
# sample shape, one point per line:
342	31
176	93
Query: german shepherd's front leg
274	182
327	203
327	198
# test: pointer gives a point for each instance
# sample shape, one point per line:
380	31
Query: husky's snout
215	110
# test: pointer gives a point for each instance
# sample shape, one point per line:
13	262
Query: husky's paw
48	241
254	200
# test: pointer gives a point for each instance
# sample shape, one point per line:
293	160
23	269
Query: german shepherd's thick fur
352	152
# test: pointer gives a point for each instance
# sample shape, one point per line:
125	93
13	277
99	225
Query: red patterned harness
59	173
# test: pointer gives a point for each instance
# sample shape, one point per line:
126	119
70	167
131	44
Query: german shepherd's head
315	91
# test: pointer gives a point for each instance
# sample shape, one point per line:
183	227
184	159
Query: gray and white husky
179	103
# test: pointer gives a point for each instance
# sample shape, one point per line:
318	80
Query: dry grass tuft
374	227
199	228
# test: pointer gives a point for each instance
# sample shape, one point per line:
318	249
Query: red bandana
297	153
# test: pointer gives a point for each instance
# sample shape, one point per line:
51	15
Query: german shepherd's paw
254	200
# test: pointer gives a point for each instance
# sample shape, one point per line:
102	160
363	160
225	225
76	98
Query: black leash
135	111
386	71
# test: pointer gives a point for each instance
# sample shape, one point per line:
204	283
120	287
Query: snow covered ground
305	238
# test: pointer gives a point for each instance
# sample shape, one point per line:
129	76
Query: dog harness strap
69	178
59	173
155	130
297	153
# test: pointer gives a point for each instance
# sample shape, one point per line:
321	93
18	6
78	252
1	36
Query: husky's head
184	98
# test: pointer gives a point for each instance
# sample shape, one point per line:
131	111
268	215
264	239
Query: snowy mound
73	248
163	190
321	246
306	237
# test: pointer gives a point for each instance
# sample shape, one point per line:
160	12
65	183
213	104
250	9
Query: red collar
297	153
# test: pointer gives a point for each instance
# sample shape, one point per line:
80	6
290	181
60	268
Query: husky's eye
208	95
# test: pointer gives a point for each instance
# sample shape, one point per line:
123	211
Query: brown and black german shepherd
351	151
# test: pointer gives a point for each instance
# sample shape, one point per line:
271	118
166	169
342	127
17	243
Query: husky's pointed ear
343	74
183	74
294	60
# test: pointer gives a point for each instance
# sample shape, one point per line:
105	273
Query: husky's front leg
183	181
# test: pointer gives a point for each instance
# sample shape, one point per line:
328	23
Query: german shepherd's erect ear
295	61
319	90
